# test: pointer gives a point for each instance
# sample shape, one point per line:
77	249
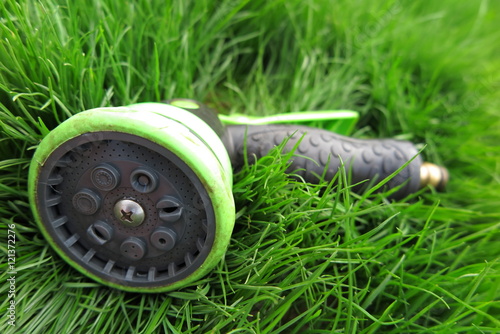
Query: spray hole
99	234
143	180
170	209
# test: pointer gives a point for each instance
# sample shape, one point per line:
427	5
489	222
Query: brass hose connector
434	175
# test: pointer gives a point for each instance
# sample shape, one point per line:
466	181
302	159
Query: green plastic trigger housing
339	121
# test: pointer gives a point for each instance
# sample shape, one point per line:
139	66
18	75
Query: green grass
302	259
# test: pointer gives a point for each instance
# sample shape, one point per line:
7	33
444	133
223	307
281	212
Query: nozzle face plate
125	209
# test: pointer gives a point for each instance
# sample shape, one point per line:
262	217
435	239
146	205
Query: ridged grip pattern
319	149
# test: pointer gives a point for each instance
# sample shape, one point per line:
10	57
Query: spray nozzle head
138	197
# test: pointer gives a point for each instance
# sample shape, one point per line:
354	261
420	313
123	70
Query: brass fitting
434	175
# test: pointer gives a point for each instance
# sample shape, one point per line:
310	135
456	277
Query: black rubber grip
371	160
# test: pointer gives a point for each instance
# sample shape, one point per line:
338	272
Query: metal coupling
433	175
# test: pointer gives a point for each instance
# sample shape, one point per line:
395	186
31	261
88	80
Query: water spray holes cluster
133	212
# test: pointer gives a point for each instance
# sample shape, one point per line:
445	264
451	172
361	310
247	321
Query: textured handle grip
364	159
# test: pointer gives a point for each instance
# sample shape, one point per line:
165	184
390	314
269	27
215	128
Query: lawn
301	259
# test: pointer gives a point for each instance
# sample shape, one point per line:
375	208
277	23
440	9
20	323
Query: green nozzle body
140	197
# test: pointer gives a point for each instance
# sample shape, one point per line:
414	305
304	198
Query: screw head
129	212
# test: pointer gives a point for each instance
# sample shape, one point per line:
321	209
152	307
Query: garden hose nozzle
140	197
